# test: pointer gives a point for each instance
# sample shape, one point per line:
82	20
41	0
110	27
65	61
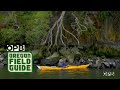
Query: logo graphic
15	47
19	61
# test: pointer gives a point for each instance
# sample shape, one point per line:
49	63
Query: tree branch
61	34
78	24
70	34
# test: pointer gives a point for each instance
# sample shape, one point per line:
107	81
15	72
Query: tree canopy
54	28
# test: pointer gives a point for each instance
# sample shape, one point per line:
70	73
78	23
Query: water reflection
65	74
68	74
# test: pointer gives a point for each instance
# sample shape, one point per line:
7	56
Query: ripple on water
71	74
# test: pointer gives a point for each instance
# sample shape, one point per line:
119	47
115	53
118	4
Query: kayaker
62	63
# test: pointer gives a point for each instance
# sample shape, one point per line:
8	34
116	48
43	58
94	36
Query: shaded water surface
77	74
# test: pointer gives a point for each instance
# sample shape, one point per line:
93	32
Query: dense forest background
92	32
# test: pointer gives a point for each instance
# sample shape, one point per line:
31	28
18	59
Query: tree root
59	27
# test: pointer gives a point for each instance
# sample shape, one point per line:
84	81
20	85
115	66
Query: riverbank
96	62
77	56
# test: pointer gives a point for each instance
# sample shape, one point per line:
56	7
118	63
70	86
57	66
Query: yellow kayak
52	68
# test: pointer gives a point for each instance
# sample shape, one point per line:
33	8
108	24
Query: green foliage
32	26
110	52
39	24
2	50
7	35
102	15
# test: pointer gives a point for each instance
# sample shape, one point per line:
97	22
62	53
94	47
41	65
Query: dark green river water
79	74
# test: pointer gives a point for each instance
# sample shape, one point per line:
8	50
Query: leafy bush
39	24
7	36
32	27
